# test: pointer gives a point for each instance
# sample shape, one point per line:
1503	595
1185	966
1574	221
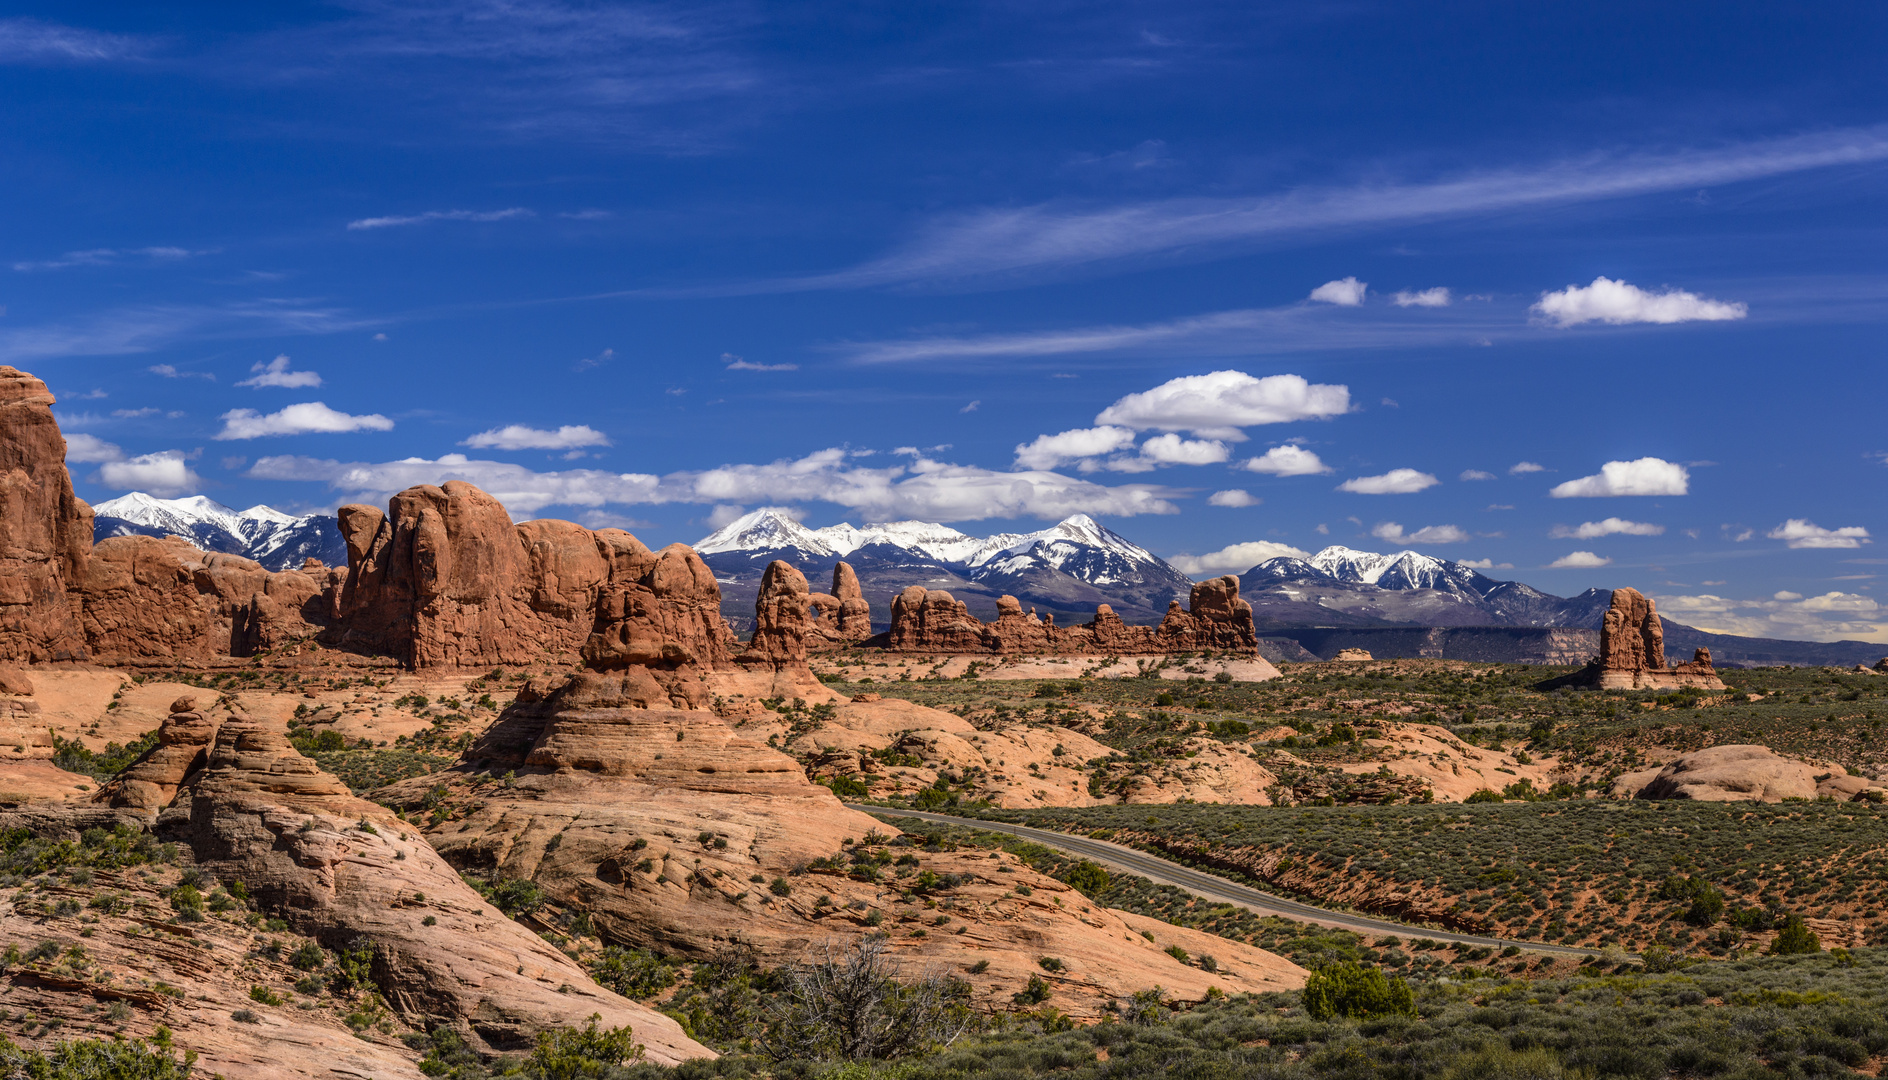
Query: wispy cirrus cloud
26	40
427	217
1057	238
129	330
108	257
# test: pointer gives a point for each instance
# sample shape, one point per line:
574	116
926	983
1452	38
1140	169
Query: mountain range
276	540
1338	594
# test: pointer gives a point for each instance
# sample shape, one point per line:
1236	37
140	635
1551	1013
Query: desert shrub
633	973
1483	796
855	1004
1088	878
1795	937
1356	991
581	1053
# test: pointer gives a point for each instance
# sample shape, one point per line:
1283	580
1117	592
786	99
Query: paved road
1218	889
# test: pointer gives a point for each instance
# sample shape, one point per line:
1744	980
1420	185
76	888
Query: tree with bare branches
851	1002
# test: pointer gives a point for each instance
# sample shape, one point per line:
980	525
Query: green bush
1483	796
1087	878
1795	937
581	1053
1357	991
633	973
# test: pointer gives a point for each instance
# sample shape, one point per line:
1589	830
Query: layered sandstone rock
183	747
932	621
45	529
1740	773
1632	651
340	869
781	618
1350	655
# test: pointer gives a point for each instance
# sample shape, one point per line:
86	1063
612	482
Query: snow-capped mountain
276	540
1067	568
1343	586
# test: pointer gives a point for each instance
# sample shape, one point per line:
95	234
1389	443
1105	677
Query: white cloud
1522	467
1049	451
306	418
520	437
972	407
1344	292
169	371
37	40
392	221
1171	449
1475	474
1235	559
107	257
1612	526
1235	497
1580	560
1287	460
1617	302
1216	405
1394	482
736	363
135	414
727	514
276	373
1643	476
922	488
90	449
1485	564
1436	297
164	474
1429	534
1801	533
1833	616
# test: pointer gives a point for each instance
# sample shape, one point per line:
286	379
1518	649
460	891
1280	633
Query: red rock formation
931	621
841	617
151	598
1632	651
45	529
151	782
780	618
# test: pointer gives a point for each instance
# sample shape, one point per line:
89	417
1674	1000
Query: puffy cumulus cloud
728	513
1475	474
1484	564
164	474
1235	497
1394	482
90	449
520	437
1436	297
1617	302
276	373
1643	476
1612	526
307	418
922	488
1802	533
1521	467
1833	616
1049	451
1216	405
1171	449
1580	560
1429	534
1234	559
1287	460
1344	292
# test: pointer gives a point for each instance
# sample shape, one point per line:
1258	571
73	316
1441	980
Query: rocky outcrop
183	747
1632	653
841	618
341	869
781	618
1736	773
146	598
932	621
45	529
1349	655
443	578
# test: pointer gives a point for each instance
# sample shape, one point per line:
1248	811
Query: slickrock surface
45	529
339	867
1734	773
932	621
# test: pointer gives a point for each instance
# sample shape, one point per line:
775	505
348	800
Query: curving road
1212	887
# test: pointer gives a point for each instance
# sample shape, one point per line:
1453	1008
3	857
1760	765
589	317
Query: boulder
1743	773
14	681
45	529
183	747
1349	655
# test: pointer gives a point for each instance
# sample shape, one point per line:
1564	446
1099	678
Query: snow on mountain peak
765	529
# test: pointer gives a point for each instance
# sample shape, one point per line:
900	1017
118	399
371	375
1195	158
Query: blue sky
1596	285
